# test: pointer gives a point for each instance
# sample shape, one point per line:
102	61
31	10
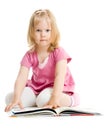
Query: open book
61	111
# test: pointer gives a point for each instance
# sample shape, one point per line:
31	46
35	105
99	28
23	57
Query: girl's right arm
18	88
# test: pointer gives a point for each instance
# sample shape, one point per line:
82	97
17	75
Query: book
60	111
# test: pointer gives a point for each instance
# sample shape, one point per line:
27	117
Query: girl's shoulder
60	53
59	50
30	53
29	58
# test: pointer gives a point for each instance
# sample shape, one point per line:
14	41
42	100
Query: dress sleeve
27	59
61	54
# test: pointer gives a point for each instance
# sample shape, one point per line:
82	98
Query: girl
51	84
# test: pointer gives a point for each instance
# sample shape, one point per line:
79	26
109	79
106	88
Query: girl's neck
42	54
42	50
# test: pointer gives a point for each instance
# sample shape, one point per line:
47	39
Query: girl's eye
38	30
48	30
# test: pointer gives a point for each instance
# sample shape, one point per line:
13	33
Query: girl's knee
28	97
43	97
75	99
8	98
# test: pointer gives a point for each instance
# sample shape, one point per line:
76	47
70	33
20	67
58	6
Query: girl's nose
43	33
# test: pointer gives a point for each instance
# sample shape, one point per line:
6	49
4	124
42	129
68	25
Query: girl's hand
13	104
53	102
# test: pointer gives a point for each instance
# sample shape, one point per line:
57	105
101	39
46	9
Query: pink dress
43	75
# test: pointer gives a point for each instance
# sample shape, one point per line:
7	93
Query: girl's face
42	33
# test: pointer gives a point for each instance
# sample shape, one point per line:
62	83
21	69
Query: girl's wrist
56	94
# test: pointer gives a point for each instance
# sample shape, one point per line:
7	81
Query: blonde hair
34	20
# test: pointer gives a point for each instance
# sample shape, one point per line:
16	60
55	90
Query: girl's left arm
60	73
57	92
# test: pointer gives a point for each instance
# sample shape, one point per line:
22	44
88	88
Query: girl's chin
43	45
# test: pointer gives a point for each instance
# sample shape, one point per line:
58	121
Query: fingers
9	107
20	105
47	106
51	106
54	107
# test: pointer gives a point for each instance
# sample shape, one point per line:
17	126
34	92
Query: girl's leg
43	97
75	99
28	97
66	99
69	100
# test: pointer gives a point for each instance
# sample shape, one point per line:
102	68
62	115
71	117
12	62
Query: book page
33	110
76	110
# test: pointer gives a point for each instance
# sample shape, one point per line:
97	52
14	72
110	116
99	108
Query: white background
85	27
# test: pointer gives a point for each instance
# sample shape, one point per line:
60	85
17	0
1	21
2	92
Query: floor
75	122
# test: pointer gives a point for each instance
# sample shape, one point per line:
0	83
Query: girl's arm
60	73
21	81
18	88
57	93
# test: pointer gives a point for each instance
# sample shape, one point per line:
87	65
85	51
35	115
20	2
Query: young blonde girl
51	84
